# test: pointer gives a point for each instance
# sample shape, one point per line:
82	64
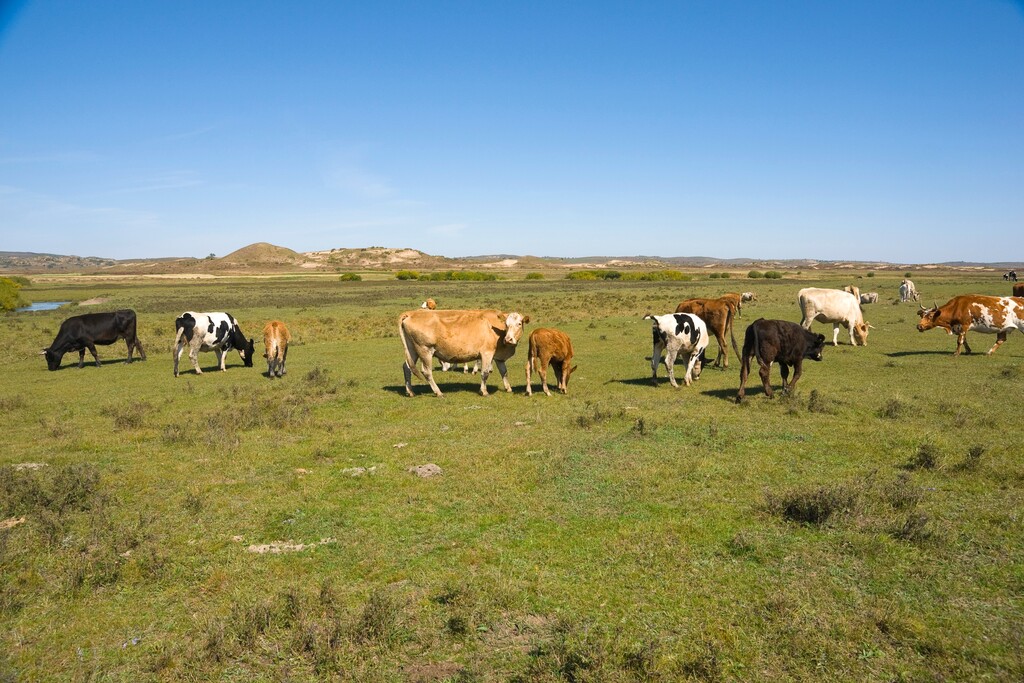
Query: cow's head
429	304
860	332
52	359
929	317
514	324
247	352
815	346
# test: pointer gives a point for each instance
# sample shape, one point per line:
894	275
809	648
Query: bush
351	277
657	276
726	276
584	275
773	275
714	276
534	276
812	505
407	275
907	274
448	275
755	274
871	274
10	294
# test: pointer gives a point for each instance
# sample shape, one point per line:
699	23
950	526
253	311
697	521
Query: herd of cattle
490	337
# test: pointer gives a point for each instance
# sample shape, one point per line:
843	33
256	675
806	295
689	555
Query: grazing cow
81	332
1018	290
853	289
216	332
458	337
275	342
675	333
837	307
735	300
549	346
777	341
748	296
997	315
869	298
908	292
717	315
1010	275
446	366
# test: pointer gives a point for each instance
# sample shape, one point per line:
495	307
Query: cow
216	332
549	346
675	333
908	292
777	341
275	342
853	289
748	296
869	298
735	300
717	316
1010	275
1018	290
81	332
837	307
458	337
445	366
997	315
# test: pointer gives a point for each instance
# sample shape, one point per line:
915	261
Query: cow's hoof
739	400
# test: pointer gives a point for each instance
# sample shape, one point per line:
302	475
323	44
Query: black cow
81	332
778	341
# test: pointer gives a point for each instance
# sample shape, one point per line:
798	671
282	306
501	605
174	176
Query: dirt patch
11	523
275	547
360	471
427	470
94	301
28	466
506	263
428	673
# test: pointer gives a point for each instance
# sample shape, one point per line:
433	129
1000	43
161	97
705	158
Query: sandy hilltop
263	257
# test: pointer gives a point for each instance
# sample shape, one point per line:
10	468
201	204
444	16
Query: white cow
458	337
837	307
908	292
677	333
869	298
748	296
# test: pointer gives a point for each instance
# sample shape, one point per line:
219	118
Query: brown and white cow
275	342
837	307
549	346
997	315
458	337
717	316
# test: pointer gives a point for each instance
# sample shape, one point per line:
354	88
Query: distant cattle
997	315
458	337
717	316
677	333
81	332
836	307
216	332
869	298
853	289
748	296
1010	275
1018	290
275	343
549	346
777	341
908	292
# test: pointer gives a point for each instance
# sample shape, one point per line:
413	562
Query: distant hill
264	257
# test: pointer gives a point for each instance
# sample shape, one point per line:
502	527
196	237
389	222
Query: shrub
351	277
812	505
714	276
871	274
925	458
755	274
583	275
907	274
726	276
469	275
407	275
773	275
10	294
534	276
657	276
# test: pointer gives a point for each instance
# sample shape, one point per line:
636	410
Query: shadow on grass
901	354
91	363
424	389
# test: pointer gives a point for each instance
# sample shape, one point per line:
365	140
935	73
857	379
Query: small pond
43	306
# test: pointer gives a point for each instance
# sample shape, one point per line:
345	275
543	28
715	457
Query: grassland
868	528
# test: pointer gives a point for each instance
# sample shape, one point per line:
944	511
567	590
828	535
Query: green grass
867	528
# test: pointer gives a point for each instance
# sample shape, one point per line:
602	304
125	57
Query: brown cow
275	341
549	346
735	300
718	316
1018	290
458	337
997	315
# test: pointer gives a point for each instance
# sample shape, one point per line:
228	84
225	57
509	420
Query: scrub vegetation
230	527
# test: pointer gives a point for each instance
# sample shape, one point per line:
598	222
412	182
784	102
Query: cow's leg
744	372
784	370
961	341
1000	338
193	353
670	363
138	347
485	371
503	371
407	372
426	356
529	378
798	368
81	358
690	362
178	348
95	357
765	372
835	334
655	361
544	375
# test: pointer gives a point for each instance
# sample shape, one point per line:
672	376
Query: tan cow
549	346
717	315
458	337
275	342
734	299
445	366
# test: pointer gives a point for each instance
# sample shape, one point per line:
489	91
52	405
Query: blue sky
854	130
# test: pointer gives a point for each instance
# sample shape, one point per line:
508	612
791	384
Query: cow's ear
526	319
821	338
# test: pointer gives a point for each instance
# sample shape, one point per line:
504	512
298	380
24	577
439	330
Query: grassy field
868	528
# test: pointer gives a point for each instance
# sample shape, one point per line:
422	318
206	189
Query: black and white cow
81	332
210	332
677	333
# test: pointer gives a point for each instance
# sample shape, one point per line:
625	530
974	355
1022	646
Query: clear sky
859	129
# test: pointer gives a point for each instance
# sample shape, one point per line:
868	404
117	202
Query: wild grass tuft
895	409
926	458
814	504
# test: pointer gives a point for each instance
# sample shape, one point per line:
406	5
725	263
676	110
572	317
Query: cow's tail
732	337
184	327
409	351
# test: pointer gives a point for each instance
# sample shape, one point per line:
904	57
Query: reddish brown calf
549	346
